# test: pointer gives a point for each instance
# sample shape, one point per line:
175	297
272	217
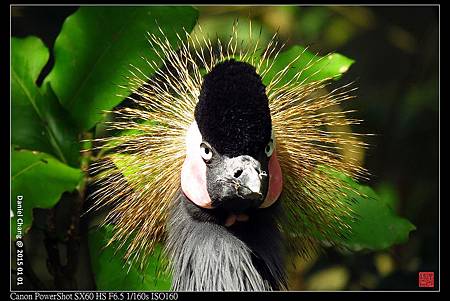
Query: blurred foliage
311	67
30	174
96	38
377	226
38	120
112	273
92	41
396	50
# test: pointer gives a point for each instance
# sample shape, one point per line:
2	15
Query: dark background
396	49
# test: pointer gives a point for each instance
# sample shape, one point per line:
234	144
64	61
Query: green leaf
112	273
388	194
312	67
378	226
28	57
39	179
38	121
95	48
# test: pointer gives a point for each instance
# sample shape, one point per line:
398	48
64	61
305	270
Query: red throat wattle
193	173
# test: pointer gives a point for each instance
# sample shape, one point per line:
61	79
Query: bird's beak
245	174
238	183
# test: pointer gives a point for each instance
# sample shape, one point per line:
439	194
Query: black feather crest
233	112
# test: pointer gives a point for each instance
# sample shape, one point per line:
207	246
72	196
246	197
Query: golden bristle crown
138	174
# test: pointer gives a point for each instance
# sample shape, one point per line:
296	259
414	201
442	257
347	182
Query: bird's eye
270	146
206	151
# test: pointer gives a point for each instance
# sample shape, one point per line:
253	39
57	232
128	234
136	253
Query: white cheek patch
193	172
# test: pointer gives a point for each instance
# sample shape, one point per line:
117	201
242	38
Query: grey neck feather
207	256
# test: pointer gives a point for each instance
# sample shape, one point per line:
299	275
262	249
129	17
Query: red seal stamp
426	279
